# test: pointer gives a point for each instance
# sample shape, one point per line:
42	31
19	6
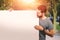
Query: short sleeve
50	25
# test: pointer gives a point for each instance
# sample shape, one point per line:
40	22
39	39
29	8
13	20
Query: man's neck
43	17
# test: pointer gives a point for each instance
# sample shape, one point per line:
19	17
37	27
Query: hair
43	8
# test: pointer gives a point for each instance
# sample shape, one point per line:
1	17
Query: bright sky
27	4
24	4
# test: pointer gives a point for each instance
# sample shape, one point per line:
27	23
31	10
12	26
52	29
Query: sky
24	4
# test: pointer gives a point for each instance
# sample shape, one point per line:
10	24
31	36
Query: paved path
56	37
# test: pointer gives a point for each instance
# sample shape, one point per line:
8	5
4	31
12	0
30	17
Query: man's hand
38	27
50	32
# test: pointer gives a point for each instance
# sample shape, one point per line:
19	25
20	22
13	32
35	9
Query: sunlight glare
28	1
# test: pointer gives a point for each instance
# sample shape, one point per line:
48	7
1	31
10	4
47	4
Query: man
45	25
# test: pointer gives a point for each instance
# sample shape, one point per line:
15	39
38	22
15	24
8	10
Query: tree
54	4
5	4
58	12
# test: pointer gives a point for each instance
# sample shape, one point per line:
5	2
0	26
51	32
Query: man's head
41	10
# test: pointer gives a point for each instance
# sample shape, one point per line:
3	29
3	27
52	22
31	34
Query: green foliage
58	27
5	4
58	9
1	2
53	5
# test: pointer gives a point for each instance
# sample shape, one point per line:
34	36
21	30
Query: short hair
43	8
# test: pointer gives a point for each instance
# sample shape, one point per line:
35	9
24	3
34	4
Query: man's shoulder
48	19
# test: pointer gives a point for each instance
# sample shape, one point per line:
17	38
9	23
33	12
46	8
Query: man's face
39	14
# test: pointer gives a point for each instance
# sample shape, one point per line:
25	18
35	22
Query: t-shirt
47	24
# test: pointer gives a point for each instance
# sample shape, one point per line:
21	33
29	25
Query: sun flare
28	1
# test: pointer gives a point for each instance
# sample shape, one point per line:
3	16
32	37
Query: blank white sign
18	25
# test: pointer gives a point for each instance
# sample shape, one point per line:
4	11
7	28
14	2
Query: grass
58	27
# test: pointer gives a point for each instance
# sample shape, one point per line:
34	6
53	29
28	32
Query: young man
45	26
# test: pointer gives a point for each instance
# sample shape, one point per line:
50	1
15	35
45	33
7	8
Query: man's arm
49	32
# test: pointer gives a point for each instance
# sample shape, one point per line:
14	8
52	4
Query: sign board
18	25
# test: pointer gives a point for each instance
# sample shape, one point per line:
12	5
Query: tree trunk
54	14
